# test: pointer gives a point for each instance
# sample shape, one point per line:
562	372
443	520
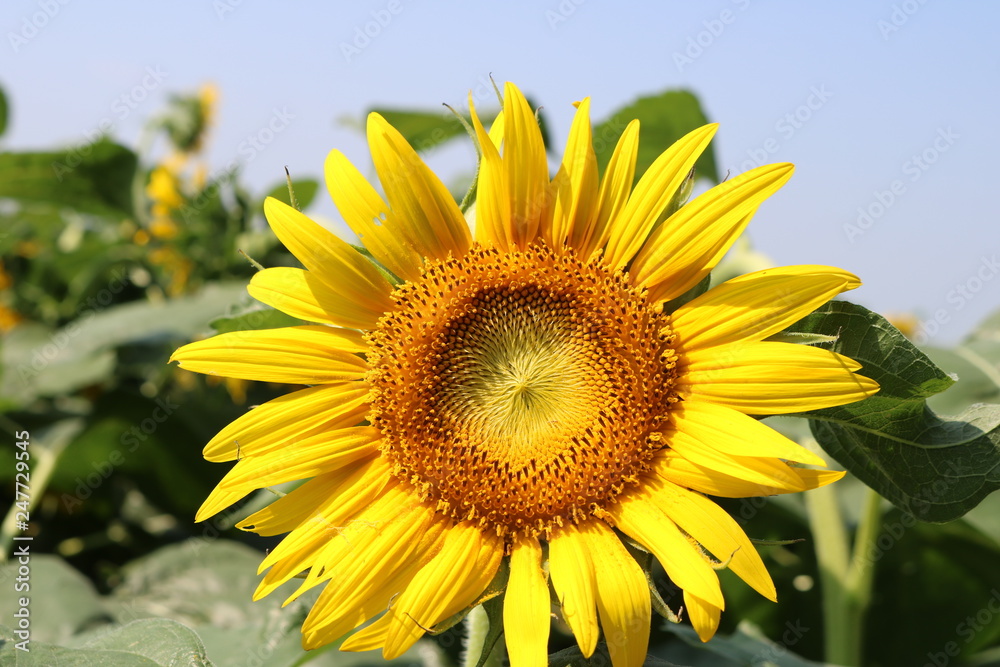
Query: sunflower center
520	389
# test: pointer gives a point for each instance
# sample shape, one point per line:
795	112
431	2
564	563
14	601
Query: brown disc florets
522	389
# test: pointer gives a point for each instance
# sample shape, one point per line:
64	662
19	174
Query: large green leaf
663	119
62	601
746	646
932	467
976	365
146	643
256	316
40	362
91	178
424	129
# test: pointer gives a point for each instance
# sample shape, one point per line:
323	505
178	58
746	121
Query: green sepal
494	612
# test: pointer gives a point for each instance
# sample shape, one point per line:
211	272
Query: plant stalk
845	577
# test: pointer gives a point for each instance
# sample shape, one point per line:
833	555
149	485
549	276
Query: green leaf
194	582
147	643
63	601
256	318
746	646
305	192
935	468
424	129
976	376
493	609
91	178
573	657
207	584
35	364
976	364
39	362
663	119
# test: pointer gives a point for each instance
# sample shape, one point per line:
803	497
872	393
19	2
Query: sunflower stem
862	571
846	576
827	526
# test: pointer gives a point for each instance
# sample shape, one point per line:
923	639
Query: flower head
520	392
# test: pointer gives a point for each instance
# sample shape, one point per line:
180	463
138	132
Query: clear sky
889	108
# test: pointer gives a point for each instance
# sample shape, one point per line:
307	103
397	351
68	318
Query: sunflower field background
115	251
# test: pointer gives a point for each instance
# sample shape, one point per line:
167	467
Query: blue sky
888	109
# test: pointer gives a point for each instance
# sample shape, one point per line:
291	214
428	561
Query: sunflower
516	401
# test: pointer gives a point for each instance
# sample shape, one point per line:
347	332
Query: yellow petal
732	432
526	618
290	510
449	583
292	355
421	205
344	503
573	578
766	472
704	616
373	561
769	378
713	528
652	194
309	457
369	217
302	295
525	166
615	188
492	197
351	497
575	201
370	637
757	305
685	565
330	260
293	415
496	130
673	467
682	251
623	600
